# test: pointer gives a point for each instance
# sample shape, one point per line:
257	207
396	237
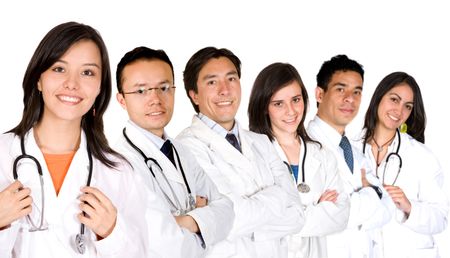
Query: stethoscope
80	237
302	187
152	163
392	155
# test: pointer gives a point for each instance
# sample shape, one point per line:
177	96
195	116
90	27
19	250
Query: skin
394	109
285	111
153	111
340	103
219	91
15	201
69	88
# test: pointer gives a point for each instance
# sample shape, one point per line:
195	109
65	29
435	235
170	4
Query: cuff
115	242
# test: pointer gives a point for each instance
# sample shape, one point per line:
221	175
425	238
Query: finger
98	194
22	193
90	212
91	200
88	222
363	173
26	202
14	187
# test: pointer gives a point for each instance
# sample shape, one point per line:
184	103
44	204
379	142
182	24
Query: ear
194	96
121	100
39	85
319	94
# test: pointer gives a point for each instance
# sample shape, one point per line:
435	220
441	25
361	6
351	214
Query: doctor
242	164
419	206
67	87
146	91
277	108
338	95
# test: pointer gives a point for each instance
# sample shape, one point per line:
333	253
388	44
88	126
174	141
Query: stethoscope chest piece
79	243
303	188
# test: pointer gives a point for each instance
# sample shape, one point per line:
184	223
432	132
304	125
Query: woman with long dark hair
393	140
277	108
62	183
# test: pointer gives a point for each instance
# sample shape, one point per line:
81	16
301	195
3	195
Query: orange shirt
58	165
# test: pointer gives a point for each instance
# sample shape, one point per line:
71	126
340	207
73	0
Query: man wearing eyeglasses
244	165
201	215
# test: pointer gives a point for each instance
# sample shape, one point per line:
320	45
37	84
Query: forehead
403	90
346	78
290	90
216	67
147	70
83	51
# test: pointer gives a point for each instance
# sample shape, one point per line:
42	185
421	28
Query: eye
211	82
277	104
394	100
232	79
357	92
141	91
297	99
88	73
340	89
409	107
58	69
165	88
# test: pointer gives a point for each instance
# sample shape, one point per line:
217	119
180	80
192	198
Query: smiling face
219	91
340	103
395	107
286	109
151	110
69	87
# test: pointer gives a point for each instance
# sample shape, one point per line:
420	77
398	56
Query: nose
71	82
153	97
290	109
349	97
224	88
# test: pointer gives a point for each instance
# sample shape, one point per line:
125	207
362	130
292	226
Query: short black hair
335	64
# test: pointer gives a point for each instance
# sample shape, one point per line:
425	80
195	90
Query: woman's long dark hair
270	80
52	47
416	122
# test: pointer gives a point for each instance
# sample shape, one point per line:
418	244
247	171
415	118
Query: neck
382	137
57	138
286	139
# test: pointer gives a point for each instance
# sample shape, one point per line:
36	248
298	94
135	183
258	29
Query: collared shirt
331	133
218	128
158	141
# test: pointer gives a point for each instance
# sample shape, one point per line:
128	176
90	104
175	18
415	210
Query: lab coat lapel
150	150
222	147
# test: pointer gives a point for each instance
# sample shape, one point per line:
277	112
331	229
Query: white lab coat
322	219
61	210
214	220
421	179
367	212
266	205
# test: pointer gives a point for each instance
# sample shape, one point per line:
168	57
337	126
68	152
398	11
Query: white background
386	36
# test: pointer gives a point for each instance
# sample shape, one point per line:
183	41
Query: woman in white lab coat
67	88
409	171
277	108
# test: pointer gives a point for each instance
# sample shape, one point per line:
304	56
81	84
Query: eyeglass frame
143	91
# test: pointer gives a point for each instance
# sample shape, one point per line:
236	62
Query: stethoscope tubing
303	161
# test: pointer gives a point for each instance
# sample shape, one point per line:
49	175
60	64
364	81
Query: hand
15	203
200	201
364	181
187	222
101	215
329	195
399	198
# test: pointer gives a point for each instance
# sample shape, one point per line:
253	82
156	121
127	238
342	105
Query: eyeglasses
162	90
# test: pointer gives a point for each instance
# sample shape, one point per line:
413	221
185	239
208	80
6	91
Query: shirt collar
334	136
218	128
156	140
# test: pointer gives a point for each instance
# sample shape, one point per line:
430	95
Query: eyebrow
86	64
293	97
346	85
210	76
398	96
144	84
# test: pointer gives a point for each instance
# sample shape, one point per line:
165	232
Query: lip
224	103
155	113
290	121
347	110
73	100
394	117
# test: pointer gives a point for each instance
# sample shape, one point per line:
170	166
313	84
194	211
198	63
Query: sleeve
7	239
327	217
216	218
270	213
429	209
367	210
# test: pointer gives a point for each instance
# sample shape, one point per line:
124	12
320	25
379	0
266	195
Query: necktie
231	138
168	151
348	155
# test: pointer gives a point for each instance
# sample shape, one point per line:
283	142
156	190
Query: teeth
393	118
290	120
224	103
155	113
70	99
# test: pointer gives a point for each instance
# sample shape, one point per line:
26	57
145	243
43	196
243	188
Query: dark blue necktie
231	138
168	151
348	155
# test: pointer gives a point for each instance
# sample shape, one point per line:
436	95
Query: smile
70	99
